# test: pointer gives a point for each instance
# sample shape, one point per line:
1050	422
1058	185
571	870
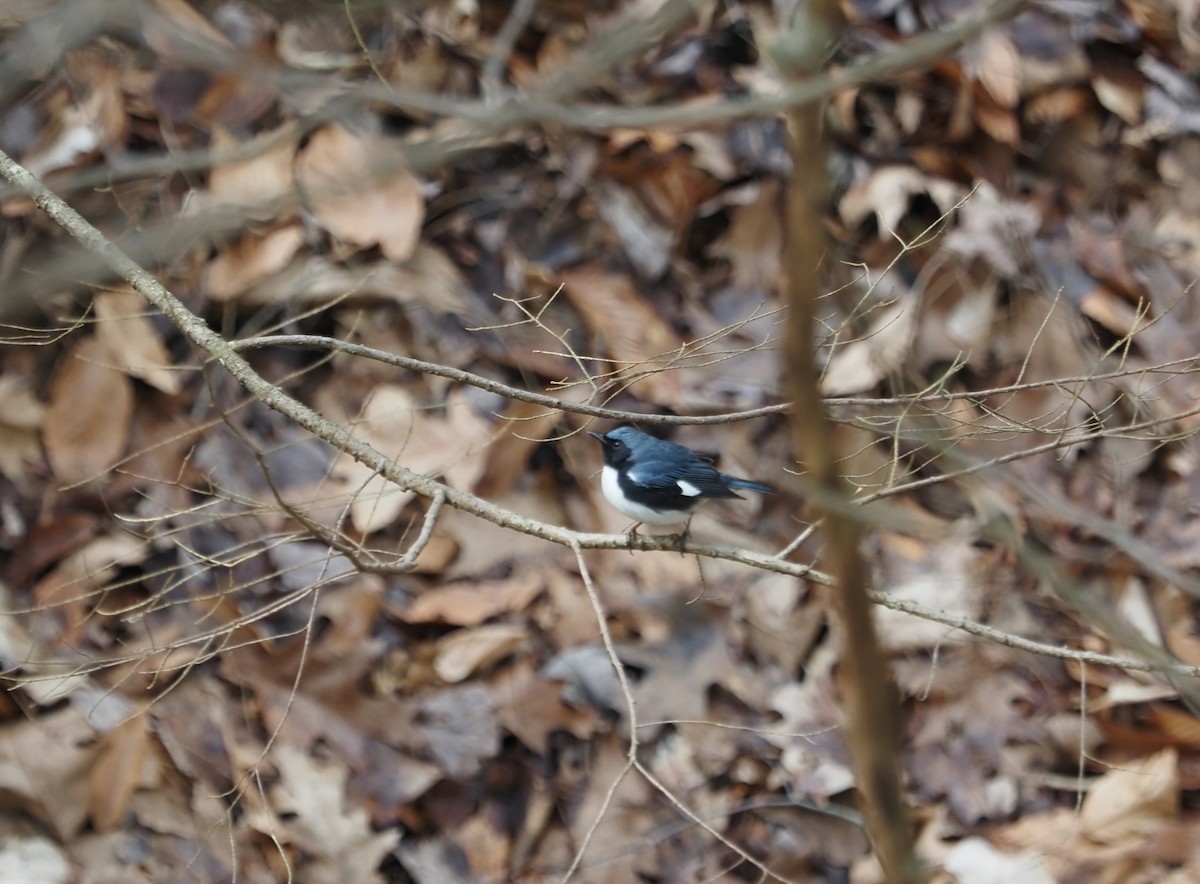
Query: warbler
655	482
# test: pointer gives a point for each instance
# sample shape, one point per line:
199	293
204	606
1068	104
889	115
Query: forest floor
221	666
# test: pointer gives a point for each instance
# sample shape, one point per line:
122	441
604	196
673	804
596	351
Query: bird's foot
631	533
681	538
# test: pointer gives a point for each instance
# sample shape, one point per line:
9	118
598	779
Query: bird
655	482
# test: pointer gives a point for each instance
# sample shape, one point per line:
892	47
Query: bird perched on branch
655	482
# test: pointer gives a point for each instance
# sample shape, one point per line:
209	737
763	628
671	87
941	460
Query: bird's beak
599	437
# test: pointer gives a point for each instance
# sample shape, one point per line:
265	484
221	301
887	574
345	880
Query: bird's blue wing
695	479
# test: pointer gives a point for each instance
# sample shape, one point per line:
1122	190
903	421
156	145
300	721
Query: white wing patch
688	489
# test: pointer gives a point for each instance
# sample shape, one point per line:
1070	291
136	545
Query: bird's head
618	444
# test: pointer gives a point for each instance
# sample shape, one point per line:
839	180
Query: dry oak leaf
472	604
177	25
133	341
995	229
862	363
457	727
648	243
638	340
313	813
360	193
20	420
530	707
255	257
1000	69
753	244
44	766
118	771
464	652
1133	799
487	845
397	426
255	184
886	193
95	123
429	278
1120	91
86	425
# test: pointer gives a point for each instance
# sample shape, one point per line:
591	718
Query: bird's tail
746	484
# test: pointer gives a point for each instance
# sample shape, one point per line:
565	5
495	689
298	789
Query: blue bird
655	482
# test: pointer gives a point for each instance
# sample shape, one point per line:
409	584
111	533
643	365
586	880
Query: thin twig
610	650
502	47
872	708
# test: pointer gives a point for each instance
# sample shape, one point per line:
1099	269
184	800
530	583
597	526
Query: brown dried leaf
484	547
44	767
1104	306
636	337
352	613
961	303
650	189
96	122
648	243
1133	799
678	673
67	587
754	241
1122	92
1057	106
175	22
946	575
255	184
20	422
47	542
253	258
886	193
437	555
620	801
485	846
360	194
1000	69
429	278
318	41
470	605
133	341
998	122
508	456
456	726
816	759
452	446
996	229
960	749
464	652
316	816
203	94
778	627
118	771
861	364
86	425
1177	725
531	709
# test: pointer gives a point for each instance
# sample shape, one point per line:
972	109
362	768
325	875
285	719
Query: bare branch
872	706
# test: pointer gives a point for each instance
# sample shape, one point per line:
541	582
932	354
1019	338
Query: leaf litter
1012	235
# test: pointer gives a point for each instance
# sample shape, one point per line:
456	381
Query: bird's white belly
636	511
